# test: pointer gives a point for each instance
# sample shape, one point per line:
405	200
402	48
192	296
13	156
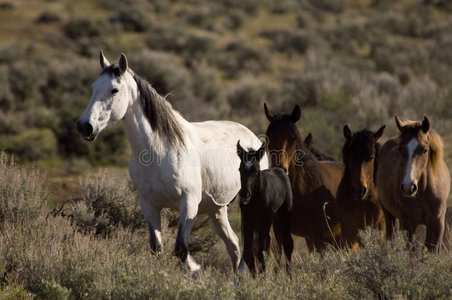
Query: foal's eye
114	91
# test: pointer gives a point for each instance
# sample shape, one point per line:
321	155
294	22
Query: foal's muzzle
86	130
245	197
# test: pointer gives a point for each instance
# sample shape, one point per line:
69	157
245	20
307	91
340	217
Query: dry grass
48	256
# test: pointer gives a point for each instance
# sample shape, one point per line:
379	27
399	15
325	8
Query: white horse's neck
142	138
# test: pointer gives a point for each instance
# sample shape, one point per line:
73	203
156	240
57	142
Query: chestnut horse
356	201
414	181
314	183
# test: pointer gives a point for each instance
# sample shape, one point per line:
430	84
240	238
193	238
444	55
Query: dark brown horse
356	201
414	182
314	183
319	155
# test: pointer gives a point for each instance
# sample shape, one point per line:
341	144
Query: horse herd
200	167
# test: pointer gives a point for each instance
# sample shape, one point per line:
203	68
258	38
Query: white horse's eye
114	91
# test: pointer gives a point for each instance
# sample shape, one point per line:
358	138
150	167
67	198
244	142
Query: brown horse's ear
240	151
270	115
426	124
123	63
103	61
398	123
347	132
308	140
260	152
296	113
379	133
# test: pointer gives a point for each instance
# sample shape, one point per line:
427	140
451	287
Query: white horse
192	167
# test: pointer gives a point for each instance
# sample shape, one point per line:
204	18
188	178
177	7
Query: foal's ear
123	63
398	122
260	152
240	151
103	61
270	115
296	113
379	133
426	124
308	140
347	132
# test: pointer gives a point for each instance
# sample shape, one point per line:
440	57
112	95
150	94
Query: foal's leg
152	216
188	211
248	255
434	237
263	239
223	229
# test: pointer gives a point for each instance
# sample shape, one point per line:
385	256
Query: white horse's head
110	99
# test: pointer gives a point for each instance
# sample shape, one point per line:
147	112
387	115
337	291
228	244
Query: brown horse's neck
303	167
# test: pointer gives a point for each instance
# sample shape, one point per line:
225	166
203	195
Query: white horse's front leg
188	211
223	229
153	219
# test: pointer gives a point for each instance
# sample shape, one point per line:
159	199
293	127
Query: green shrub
243	56
31	144
108	204
132	19
78	28
334	6
287	40
22	195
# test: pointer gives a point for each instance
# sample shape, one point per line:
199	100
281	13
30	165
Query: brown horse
356	201
414	182
314	183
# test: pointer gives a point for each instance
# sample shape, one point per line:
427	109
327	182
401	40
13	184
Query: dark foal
265	197
356	201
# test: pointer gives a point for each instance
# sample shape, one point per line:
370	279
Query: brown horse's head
414	147
282	134
359	154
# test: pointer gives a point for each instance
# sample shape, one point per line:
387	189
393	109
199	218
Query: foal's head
359	154
249	171
282	134
414	147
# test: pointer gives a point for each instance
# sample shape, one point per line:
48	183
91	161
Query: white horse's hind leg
152	216
223	229
188	211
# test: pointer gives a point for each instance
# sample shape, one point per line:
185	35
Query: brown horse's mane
308	163
414	128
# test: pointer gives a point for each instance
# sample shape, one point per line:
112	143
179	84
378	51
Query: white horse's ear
123	63
347	132
379	133
398	122
103	61
426	124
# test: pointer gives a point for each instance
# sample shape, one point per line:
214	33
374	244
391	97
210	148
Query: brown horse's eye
424	151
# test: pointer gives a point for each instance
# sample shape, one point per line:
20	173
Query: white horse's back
219	161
